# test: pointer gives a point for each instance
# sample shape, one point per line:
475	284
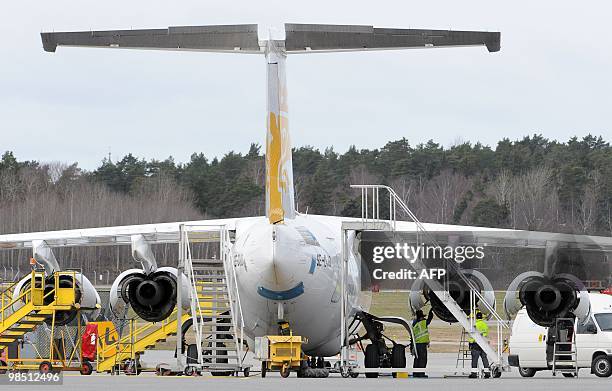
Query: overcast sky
552	76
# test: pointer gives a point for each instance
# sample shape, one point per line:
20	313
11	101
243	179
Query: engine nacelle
459	290
547	298
152	296
85	295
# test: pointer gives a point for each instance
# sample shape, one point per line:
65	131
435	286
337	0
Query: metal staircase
464	353
218	324
27	311
370	196
565	354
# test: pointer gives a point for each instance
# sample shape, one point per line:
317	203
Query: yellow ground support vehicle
279	353
34	306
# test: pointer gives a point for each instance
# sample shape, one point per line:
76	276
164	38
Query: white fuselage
296	265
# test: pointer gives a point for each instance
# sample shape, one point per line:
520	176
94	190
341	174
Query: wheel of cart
190	370
495	371
131	367
86	368
163	369
45	367
285	369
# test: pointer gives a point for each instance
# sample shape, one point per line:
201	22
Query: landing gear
398	357
377	353
372	360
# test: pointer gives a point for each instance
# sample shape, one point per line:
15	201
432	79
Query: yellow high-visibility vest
483	329
421	333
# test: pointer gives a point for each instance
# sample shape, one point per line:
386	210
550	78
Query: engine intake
152	296
547	298
459	290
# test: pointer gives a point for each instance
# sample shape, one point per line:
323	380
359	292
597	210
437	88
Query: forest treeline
533	183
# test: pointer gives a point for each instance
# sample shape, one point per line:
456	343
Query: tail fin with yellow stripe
279	171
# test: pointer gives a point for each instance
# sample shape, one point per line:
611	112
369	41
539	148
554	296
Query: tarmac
510	381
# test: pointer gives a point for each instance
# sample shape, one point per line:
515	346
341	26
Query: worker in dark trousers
421	340
477	353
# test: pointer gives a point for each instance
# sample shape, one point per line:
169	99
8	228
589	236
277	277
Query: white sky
552	76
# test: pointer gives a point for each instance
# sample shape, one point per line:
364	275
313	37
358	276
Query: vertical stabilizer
279	170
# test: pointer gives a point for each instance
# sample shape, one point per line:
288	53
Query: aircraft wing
104	236
465	234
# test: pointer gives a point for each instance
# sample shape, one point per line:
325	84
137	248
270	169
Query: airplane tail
299	38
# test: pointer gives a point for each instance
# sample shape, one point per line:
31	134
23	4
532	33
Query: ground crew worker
421	340
483	328
33	264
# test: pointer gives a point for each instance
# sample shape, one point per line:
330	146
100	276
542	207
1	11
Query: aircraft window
588	328
604	321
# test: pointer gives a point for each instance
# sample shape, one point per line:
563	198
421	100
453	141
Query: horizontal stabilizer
327	37
240	38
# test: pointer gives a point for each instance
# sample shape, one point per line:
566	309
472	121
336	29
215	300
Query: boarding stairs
128	348
370	199
565	354
27	311
218	324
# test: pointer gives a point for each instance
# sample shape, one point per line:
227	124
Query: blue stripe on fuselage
281	295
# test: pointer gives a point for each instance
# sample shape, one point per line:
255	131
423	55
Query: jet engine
547	298
457	286
151	292
550	295
85	294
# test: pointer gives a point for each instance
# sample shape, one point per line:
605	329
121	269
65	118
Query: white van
593	341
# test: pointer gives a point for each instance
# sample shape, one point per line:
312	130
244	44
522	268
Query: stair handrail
126	340
23	295
232	285
197	314
8	291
